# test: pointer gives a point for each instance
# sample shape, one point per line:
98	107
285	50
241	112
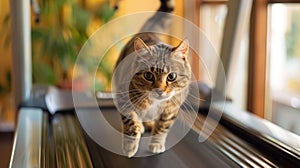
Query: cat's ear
139	45
182	49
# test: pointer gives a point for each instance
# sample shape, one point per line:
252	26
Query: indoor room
155	83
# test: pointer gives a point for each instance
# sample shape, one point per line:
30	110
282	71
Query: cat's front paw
130	146
142	128
157	147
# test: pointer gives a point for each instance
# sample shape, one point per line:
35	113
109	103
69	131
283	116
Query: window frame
257	79
257	65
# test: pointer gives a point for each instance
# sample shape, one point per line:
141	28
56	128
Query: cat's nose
159	91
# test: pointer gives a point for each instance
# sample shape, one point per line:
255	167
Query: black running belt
187	153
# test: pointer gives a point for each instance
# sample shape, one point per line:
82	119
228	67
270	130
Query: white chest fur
153	112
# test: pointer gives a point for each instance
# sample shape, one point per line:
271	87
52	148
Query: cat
156	90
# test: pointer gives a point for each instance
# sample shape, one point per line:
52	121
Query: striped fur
156	91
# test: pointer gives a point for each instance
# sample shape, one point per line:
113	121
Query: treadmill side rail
28	139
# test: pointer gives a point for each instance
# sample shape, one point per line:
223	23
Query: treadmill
48	132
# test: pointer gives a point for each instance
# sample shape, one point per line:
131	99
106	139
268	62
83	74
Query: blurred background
58	32
264	76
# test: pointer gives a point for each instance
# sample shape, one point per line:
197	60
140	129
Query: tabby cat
156	90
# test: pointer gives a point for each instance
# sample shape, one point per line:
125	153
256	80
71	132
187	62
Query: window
212	17
274	62
283	100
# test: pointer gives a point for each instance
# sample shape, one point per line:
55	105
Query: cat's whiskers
127	91
121	95
194	110
160	59
191	105
129	102
191	95
139	100
126	94
179	114
185	114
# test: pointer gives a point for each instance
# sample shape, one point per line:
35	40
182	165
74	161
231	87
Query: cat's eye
172	76
148	76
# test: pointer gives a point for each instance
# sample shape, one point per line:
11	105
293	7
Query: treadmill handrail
27	144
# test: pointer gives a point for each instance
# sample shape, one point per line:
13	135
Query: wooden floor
6	141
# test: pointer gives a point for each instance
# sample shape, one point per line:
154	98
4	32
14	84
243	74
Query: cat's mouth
154	95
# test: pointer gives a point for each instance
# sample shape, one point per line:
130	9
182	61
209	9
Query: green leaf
7	40
99	86
6	20
2	89
48	43
4	31
8	80
43	73
106	12
61	3
80	17
37	34
59	47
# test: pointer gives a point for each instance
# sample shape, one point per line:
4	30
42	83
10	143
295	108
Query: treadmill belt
187	153
58	140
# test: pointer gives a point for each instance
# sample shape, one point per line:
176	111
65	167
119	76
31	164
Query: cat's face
166	70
